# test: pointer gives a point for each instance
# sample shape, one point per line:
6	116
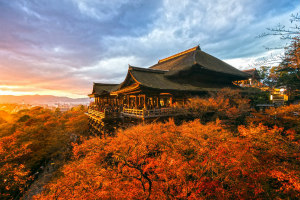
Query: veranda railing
144	113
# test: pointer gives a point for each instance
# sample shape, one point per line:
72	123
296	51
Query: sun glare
9	92
23	90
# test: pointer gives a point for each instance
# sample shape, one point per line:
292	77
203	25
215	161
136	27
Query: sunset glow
22	90
149	99
61	47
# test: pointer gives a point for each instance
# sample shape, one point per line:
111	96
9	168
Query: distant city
17	103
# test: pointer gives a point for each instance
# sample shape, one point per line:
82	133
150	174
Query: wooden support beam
139	101
128	100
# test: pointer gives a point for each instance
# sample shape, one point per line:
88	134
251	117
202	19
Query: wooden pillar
145	102
135	102
128	101
158	102
171	101
139	101
152	102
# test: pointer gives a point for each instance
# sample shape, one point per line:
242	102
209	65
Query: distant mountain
41	99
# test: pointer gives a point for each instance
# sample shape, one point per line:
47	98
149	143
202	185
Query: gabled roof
196	57
102	88
156	79
162	76
253	73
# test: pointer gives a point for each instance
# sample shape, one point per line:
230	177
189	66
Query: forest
32	138
230	151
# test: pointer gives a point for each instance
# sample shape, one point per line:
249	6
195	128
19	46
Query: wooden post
158	102
139	101
135	102
152	102
128	101
145	102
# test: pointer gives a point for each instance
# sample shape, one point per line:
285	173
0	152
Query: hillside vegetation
29	139
190	161
230	152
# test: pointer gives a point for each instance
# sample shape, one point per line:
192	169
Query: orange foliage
227	105
287	117
190	161
30	140
13	175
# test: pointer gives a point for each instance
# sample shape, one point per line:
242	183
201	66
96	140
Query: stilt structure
157	91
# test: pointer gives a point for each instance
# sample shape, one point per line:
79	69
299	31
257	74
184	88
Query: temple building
253	80
156	91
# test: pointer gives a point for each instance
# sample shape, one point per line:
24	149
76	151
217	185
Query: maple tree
13	176
227	105
287	117
190	161
31	138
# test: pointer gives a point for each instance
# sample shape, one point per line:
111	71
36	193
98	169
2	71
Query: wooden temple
156	91
252	81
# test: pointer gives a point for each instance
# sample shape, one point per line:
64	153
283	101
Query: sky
60	47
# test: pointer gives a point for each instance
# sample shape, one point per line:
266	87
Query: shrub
227	105
287	117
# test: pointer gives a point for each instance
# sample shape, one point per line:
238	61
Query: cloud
65	45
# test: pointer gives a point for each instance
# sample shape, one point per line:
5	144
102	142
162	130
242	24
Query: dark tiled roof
195	57
250	71
164	75
253	73
156	79
103	88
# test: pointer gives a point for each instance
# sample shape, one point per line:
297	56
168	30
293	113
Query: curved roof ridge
105	84
146	69
180	54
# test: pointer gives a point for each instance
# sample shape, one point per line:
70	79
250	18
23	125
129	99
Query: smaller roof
253	72
102	88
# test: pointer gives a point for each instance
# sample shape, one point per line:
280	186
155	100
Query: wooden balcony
137	113
100	115
96	115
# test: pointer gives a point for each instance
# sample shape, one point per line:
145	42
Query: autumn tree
287	117
32	138
190	161
14	176
228	105
288	71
